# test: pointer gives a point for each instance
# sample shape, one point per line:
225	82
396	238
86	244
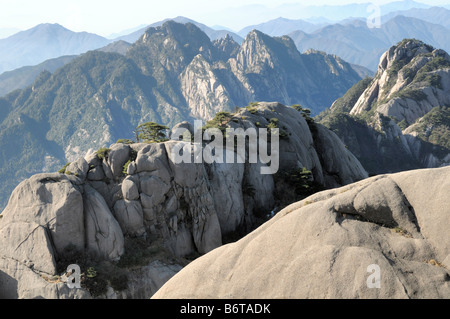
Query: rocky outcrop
141	193
202	89
227	47
335	243
412	78
404	110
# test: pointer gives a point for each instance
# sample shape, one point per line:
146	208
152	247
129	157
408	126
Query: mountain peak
43	28
175	44
226	46
49	25
45	41
412	78
403	53
177	29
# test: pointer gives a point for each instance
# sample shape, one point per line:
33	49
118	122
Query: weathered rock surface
18	281
185	206
29	244
400	119
51	201
104	237
323	246
399	71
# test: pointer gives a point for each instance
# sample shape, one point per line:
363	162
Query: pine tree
151	132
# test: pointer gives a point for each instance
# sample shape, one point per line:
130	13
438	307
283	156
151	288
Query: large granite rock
326	246
104	236
51	201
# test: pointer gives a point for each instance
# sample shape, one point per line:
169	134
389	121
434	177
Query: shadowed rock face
95	208
322	247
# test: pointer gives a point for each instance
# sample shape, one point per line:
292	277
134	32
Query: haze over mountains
240	17
355	42
350	39
213	34
43	42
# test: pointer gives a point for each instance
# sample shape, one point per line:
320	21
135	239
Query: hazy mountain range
240	16
43	42
355	42
350	39
213	34
437	15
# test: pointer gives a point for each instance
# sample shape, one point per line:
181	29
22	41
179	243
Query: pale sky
110	16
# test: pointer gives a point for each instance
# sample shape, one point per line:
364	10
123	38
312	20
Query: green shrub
408	72
63	170
283	134
438	139
96	274
429	79
403	124
407	93
306	113
124	141
125	167
138	252
252	107
118	279
151	132
423	75
297	107
294	185
71	173
102	153
95	286
220	121
273	124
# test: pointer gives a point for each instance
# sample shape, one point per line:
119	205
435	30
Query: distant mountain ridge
43	42
257	13
213	34
436	15
282	26
22	77
355	42
350	38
